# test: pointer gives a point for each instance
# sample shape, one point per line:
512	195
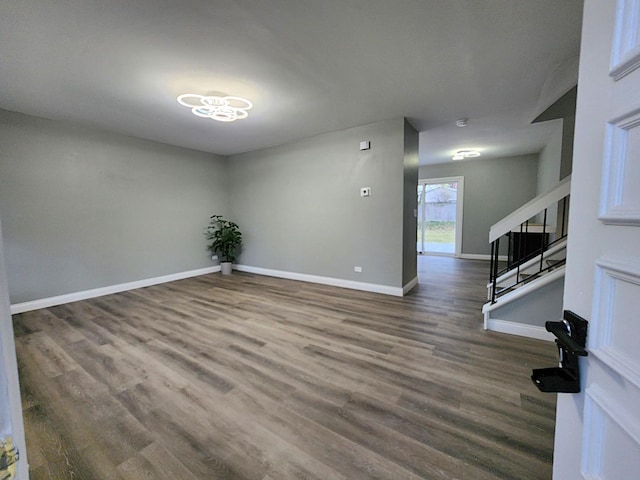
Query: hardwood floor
250	377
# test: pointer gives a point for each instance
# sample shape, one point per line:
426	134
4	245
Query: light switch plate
365	192
365	145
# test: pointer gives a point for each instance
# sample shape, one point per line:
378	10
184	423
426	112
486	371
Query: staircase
528	254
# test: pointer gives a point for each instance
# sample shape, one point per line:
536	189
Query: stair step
553	263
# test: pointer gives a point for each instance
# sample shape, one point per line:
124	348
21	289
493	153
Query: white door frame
459	207
10	403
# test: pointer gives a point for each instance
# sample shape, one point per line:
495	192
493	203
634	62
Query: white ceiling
309	66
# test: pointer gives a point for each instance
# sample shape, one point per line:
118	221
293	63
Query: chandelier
222	109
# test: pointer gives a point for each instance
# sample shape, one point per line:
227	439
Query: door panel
625	55
615	333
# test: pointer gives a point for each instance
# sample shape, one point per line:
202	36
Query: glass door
438	216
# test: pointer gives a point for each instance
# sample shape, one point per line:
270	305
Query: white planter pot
225	268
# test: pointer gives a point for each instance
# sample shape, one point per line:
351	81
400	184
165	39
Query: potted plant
226	239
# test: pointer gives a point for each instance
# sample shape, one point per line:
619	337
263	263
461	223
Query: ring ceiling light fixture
462	154
222	109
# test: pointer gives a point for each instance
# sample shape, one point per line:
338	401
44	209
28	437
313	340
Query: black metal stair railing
521	249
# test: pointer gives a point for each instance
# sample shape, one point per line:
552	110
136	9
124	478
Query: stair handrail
531	208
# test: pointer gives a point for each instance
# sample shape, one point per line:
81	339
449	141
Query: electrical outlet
357	269
214	257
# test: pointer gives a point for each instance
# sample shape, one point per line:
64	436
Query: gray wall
410	225
493	188
568	130
556	159
535	308
300	210
549	169
550	159
83	209
565	109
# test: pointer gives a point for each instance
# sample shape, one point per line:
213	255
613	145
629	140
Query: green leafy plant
225	238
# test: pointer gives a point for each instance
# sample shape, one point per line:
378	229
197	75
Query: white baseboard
530	331
437	254
409	286
123	287
335	282
478	256
99	292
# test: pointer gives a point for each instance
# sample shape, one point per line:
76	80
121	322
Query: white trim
482	256
625	54
615	208
592	434
409	286
531	208
599	405
335	282
122	287
99	292
521	329
630	62
437	254
438	180
619	362
609	272
459	215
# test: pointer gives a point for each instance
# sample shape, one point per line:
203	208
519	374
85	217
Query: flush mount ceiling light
462	154
222	109
462	122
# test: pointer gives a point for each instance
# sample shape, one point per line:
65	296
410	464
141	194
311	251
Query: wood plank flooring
250	377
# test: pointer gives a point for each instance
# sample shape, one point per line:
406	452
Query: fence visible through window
437	214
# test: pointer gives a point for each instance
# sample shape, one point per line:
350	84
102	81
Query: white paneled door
12	442
598	430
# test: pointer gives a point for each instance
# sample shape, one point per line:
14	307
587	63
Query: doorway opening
440	216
